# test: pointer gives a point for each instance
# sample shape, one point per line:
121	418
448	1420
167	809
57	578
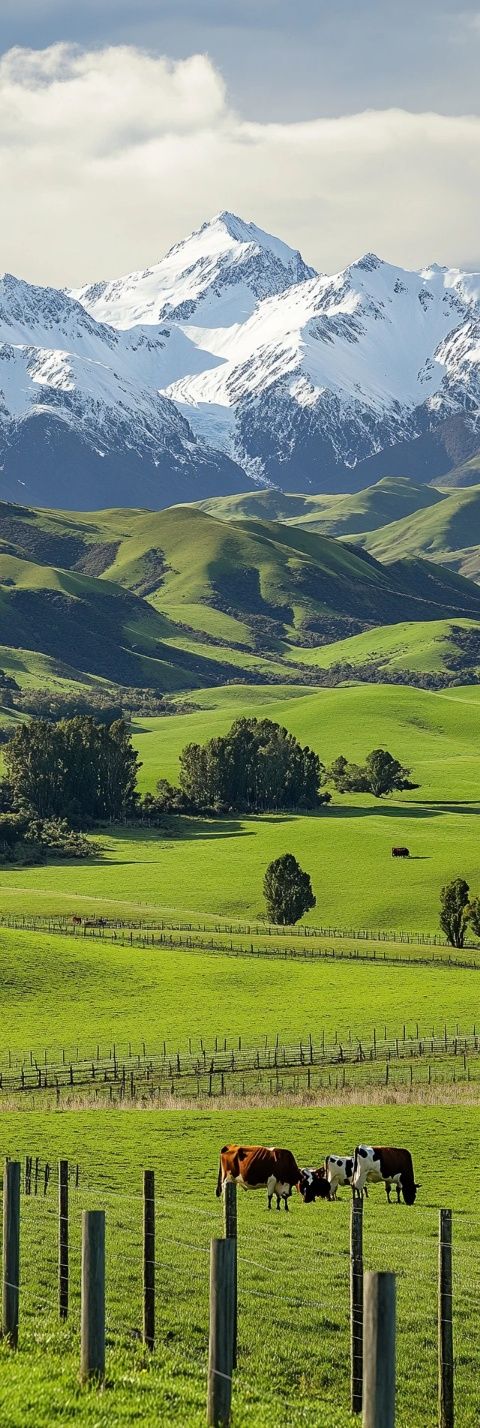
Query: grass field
217	866
57	992
293	1361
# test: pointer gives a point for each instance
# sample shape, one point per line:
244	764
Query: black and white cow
388	1164
338	1171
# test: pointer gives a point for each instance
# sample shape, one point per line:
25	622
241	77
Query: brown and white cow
388	1163
259	1167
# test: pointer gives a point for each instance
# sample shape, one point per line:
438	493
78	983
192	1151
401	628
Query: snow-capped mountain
231	361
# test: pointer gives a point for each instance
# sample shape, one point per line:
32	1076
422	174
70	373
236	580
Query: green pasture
423	645
63	992
293	1271
216	865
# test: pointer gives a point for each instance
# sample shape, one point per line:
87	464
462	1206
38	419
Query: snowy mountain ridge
232	361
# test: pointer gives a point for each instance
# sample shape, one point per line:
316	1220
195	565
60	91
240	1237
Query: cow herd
257	1167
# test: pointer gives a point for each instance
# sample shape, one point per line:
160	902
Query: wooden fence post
379	1351
63	1238
356	1304
149	1258
11	1251
92	1354
230	1224
220	1344
445	1324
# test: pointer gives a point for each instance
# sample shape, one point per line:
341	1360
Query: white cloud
107	157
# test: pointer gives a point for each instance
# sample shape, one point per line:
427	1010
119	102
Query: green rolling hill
427	647
447	532
467	474
388	500
179	599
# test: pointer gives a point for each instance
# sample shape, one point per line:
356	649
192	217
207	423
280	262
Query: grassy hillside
427	646
467	474
179	599
389	499
90	626
448	531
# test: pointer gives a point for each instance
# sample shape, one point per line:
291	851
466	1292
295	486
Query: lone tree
454	911
288	890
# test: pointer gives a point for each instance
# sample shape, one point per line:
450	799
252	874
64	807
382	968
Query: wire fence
299	1268
222	1068
268	940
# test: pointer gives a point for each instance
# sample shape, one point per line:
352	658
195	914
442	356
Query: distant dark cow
257	1167
338	1171
400	852
395	1167
76	920
315	1186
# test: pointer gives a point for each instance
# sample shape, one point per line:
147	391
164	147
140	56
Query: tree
454	911
384	773
474	915
380	774
288	890
347	777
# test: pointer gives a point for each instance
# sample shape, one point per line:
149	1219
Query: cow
314	1186
400	852
258	1167
395	1167
338	1171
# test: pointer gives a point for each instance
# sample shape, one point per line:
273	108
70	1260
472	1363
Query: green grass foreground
293	1270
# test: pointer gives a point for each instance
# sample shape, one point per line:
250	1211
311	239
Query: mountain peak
222	270
368	263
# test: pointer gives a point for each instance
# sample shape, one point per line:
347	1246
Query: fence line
207	1073
119	934
377	1388
97	927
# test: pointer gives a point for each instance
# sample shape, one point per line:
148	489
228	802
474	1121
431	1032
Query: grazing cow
387	1163
76	920
314	1186
400	852
338	1171
257	1167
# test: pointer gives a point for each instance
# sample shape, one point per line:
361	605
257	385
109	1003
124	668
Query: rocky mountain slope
232	363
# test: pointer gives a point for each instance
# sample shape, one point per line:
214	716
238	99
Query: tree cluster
76	769
257	766
103	705
26	839
380	774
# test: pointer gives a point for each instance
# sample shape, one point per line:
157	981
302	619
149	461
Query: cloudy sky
343	127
